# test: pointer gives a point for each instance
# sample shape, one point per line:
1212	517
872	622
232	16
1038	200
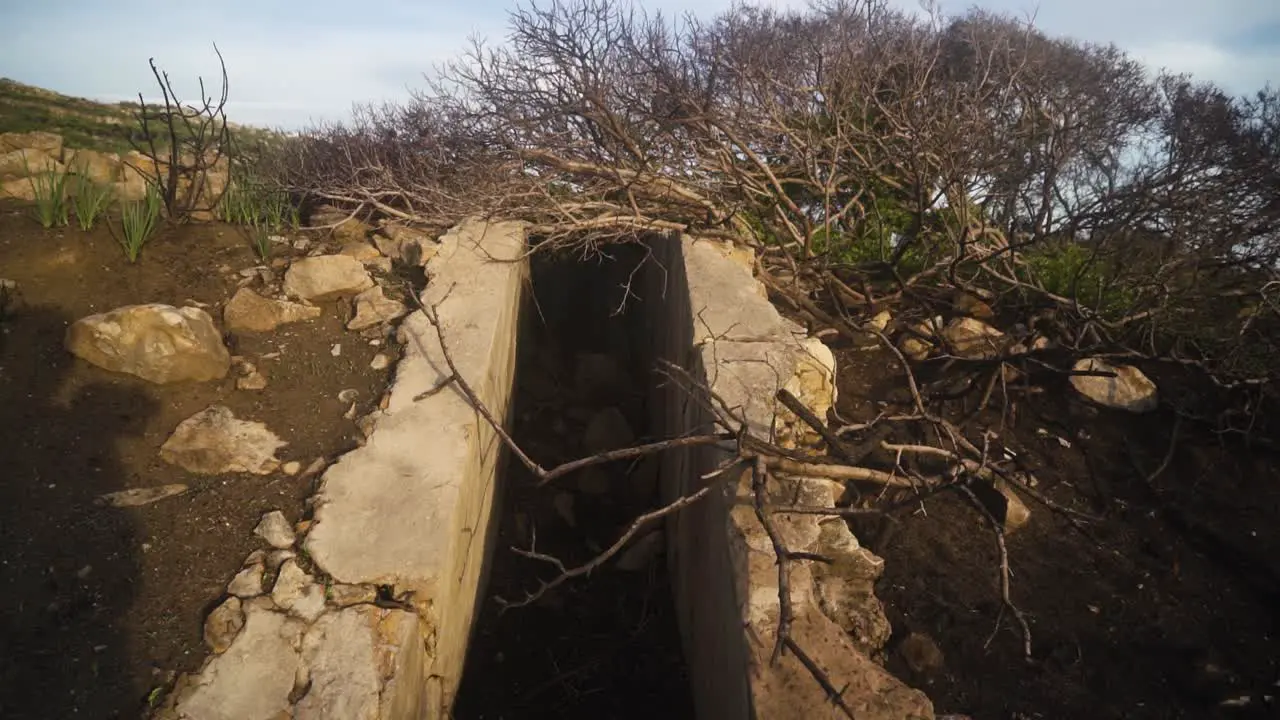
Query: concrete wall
304	634
707	314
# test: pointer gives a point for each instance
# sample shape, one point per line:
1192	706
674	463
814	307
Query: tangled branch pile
875	155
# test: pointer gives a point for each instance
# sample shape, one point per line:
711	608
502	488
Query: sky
292	63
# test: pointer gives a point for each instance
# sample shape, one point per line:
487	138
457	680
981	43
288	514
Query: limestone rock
296	592
251	380
326	277
131	188
27	162
46	142
137	497
252	680
918	341
248	582
293	467
405	244
223	625
360	250
17	189
156	342
379	362
351	230
880	320
99	167
973	339
213	442
846	586
921	653
1003	503
969	305
1129	390
248	310
274	527
279	557
10	298
607	430
374	308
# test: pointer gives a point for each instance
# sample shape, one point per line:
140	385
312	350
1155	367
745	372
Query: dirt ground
1162	606
104	605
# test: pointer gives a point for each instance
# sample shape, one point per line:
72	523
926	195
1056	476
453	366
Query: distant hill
82	123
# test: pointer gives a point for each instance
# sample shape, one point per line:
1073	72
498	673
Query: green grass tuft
139	219
91	200
49	188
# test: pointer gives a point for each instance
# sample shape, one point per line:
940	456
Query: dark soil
607	646
1165	606
104	605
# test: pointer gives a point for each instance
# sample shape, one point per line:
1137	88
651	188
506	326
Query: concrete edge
369	614
722	328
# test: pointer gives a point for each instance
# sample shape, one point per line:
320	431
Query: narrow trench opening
607	645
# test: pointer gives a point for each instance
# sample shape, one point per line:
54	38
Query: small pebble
379	362
336	350
293	467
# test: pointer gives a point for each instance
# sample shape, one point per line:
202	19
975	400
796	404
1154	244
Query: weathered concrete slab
253	678
411	508
713	320
727	302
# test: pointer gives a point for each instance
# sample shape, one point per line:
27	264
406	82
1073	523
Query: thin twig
1004	571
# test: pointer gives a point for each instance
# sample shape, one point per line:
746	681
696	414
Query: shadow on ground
69	568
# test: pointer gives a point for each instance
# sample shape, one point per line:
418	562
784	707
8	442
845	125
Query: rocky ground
154	412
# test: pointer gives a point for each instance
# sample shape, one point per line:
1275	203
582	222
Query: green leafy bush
1070	270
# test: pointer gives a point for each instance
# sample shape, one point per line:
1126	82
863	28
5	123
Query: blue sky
293	61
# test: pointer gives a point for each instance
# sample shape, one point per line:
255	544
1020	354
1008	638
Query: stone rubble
249	311
373	308
296	592
156	342
275	529
137	497
326	277
213	442
1129	390
223	625
248	582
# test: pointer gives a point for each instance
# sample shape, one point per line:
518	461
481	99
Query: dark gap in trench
605	646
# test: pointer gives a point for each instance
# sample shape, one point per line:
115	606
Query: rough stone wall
23	155
711	317
368	615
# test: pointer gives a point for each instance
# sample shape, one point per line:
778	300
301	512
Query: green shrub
138	220
1070	270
